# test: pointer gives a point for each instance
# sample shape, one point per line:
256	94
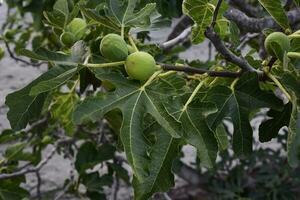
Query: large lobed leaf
198	133
26	104
270	128
135	101
24	107
237	104
160	177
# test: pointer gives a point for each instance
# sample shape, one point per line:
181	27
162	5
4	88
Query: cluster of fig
73	32
138	65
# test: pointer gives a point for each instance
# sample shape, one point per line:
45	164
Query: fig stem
133	43
122	31
293	54
294	36
280	86
233	84
199	86
167	74
102	65
149	81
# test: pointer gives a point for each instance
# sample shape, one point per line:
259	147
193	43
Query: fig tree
77	27
114	47
67	39
140	65
276	44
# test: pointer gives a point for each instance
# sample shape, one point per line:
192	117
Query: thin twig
194	70
246	39
42	122
65	190
209	51
183	23
12	55
38	167
177	40
38	186
167	197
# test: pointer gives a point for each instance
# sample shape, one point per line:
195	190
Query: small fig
114	48
46	139
140	65
67	39
276	44
77	27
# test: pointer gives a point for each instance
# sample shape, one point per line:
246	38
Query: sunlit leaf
134	100
276	10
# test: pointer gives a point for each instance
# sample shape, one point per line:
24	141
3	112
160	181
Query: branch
245	7
220	46
184	22
216	12
194	70
225	52
256	25
177	40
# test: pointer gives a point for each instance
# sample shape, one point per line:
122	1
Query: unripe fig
140	65
114	47
77	27
1	53
67	39
276	44
10	34
46	139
